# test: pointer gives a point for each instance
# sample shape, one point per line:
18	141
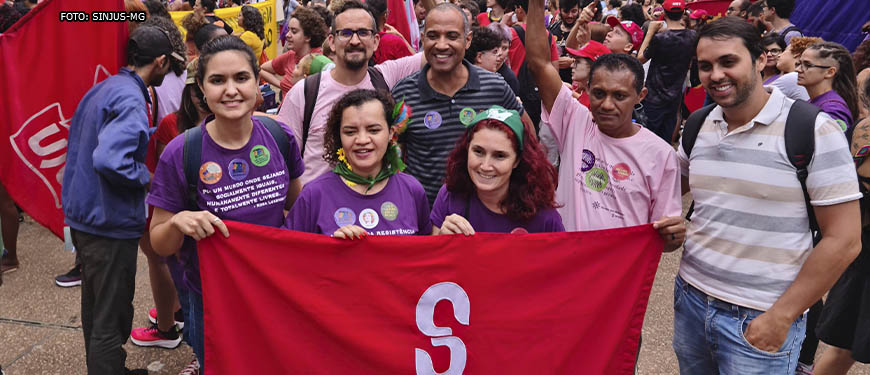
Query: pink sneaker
191	369
179	318
152	336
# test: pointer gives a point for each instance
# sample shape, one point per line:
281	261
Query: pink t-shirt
609	182
293	108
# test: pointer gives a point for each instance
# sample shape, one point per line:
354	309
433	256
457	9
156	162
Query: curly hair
8	16
192	22
312	25
482	39
174	35
355	98
800	43
532	185
252	21
861	57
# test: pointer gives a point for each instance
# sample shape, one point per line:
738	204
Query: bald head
449	7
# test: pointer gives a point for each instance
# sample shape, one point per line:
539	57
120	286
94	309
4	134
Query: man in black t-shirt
569	11
669	45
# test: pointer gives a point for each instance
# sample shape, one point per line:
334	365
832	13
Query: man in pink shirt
354	39
614	173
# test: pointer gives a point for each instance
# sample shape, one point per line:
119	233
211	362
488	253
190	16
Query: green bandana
508	117
394	164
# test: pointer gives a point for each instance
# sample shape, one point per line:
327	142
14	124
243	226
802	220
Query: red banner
284	302
714	8
47	66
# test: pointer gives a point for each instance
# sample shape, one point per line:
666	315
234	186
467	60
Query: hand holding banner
281	302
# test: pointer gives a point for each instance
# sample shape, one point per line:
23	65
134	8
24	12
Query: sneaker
179	318
71	278
803	369
152	336
191	369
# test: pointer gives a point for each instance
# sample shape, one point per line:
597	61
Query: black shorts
845	320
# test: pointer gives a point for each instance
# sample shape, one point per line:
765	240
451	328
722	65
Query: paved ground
40	327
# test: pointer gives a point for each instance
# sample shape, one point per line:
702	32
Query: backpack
192	154
528	90
790	29
312	87
799	146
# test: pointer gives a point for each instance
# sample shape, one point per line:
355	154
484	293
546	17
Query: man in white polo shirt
749	270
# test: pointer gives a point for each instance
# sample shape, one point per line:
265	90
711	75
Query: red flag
404	19
284	302
48	65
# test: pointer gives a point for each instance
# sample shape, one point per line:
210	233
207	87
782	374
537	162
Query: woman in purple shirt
242	174
497	180
367	193
827	72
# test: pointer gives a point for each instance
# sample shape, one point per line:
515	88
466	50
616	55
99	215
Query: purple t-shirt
834	105
484	220
327	203
249	184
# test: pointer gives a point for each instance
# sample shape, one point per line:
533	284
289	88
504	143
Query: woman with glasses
826	70
773	45
307	31
787	80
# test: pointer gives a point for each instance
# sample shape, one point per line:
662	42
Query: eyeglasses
803	65
347	34
773	51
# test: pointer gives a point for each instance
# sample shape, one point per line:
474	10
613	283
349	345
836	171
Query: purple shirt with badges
484	220
834	105
248	184
327	203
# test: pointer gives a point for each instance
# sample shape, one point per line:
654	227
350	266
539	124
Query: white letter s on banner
441	336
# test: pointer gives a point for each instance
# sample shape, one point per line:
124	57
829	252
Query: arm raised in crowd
538	56
580	34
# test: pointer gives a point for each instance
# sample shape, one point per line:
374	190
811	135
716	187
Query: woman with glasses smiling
827	72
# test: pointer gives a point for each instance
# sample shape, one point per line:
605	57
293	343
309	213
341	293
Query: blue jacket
105	176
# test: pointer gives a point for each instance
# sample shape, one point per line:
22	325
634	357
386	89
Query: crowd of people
516	116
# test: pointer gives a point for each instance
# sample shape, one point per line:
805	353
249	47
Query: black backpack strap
690	134
279	135
520	33
192	153
377	78
693	127
312	86
790	29
800	145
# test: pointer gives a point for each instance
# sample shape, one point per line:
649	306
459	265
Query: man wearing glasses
737	8
354	39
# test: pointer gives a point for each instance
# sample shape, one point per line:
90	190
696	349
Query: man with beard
569	10
354	39
613	173
749	270
104	186
445	96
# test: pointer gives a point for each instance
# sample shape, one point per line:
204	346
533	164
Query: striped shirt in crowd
749	235
437	121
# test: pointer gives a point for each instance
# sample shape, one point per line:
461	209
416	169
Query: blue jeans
708	337
194	327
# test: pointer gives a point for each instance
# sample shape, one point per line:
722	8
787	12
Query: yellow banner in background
230	16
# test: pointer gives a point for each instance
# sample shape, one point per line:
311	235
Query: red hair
532	185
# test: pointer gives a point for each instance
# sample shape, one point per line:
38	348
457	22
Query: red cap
633	30
674	5
592	50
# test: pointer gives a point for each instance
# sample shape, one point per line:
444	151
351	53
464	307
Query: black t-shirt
509	77
670	53
561	35
217	21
